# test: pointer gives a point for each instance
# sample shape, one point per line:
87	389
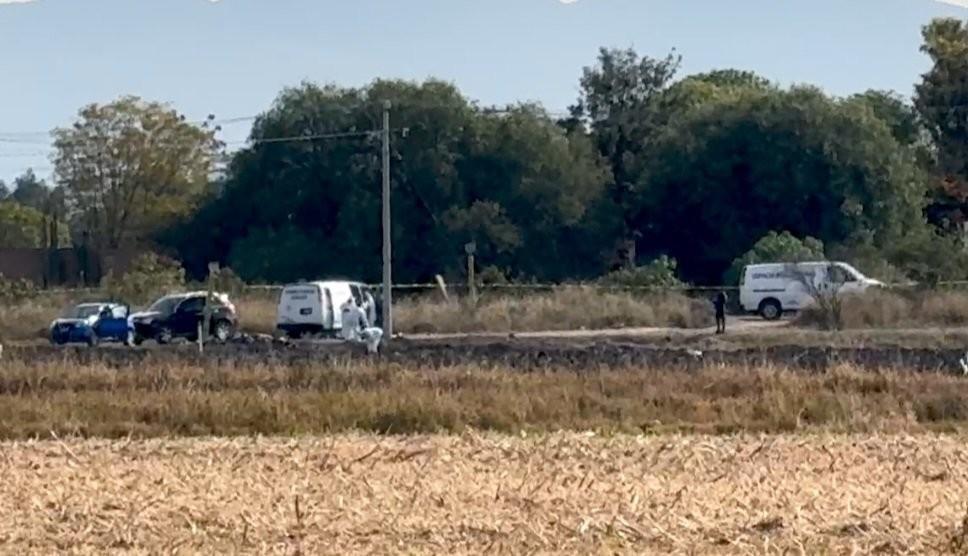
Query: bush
150	275
658	274
226	281
776	248
895	309
16	290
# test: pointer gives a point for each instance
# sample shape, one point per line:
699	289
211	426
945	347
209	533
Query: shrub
226	281
150	275
659	274
776	248
16	290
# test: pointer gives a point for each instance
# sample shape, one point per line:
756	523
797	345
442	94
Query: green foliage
131	167
900	117
20	226
16	290
775	247
929	257
514	182
754	160
149	276
621	104
30	191
700	169
225	281
940	98
659	273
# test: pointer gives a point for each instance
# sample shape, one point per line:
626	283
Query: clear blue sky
231	58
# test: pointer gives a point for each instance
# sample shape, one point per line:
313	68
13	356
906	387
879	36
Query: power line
42	135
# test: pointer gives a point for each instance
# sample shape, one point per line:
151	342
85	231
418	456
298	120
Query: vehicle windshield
852	272
82	311
165	305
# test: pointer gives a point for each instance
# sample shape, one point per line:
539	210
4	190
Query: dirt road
741	326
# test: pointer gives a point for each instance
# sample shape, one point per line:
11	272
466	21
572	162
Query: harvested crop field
474	493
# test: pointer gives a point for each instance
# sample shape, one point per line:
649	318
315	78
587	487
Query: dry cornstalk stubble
472	493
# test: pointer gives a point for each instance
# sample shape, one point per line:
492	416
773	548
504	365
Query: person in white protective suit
356	327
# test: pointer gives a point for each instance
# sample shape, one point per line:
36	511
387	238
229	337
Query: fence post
470	249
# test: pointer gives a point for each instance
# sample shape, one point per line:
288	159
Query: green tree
942	103
726	172
149	276
512	180
899	115
131	167
30	191
4	191
620	103
776	248
20	226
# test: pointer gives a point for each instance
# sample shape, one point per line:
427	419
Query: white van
314	307
774	288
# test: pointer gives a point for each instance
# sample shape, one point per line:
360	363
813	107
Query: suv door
188	315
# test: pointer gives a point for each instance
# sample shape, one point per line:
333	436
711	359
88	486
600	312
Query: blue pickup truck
92	323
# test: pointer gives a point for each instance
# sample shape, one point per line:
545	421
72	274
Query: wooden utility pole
387	236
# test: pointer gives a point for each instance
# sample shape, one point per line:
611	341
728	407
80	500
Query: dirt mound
516	354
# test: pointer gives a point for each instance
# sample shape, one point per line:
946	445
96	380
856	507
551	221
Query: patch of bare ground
482	493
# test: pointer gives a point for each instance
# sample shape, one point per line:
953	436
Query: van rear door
301	304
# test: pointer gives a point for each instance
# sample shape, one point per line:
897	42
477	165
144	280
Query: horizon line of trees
692	175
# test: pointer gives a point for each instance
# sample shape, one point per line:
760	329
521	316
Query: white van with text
775	288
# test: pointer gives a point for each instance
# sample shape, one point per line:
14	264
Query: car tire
138	340
92	340
770	309
222	331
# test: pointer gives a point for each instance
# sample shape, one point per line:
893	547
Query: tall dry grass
568	308
898	309
30	318
225	399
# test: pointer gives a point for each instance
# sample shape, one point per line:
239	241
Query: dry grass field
154	398
474	493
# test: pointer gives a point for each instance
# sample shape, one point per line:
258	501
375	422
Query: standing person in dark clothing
719	302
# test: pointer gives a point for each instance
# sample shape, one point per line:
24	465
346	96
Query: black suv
181	315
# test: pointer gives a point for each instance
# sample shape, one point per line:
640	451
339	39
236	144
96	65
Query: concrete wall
54	268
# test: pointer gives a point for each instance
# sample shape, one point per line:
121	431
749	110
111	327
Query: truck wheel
164	336
222	331
138	340
770	309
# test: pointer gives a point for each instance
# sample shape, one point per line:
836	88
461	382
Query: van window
357	295
838	275
853	275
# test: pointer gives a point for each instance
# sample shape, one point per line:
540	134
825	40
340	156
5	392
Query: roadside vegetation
892	309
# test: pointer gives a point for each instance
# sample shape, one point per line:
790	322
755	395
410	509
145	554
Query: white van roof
774	265
325	283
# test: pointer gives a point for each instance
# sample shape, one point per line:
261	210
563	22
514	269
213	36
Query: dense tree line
699	173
